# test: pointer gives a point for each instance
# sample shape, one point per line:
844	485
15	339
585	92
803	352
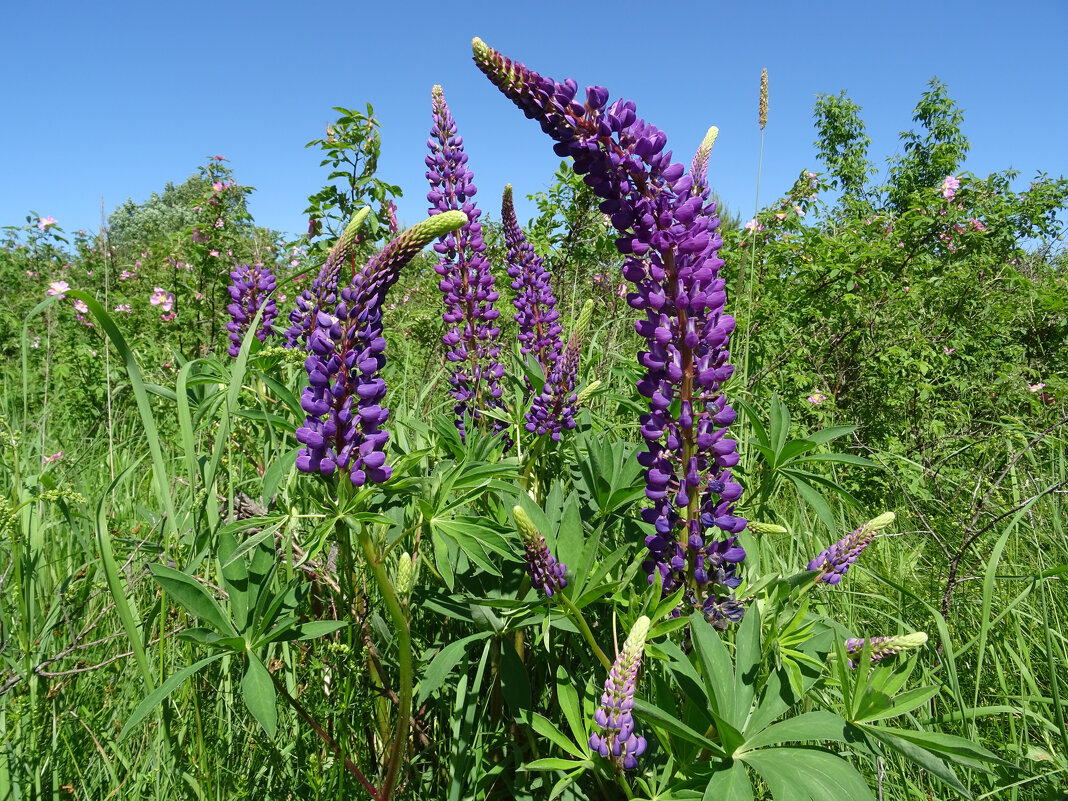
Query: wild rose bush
504	599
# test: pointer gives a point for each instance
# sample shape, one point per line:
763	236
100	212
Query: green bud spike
405	574
635	644
699	168
528	532
587	392
584	318
881	522
438	225
757	527
348	236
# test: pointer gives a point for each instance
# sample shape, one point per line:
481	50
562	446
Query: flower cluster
616	738
667	225
882	647
545	572
553	409
950	186
345	355
834	562
323	291
250	291
466	281
535	303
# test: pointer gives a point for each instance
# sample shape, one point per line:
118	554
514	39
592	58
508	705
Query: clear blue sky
114	99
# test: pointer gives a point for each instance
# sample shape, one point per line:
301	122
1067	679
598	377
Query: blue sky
115	99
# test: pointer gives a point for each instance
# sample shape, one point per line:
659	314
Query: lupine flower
322	294
58	288
251	289
44	223
535	304
545	572
345	355
553	409
667	227
616	739
471	343
950	186
882	647
816	398
834	562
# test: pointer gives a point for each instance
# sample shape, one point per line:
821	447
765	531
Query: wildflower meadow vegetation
631	501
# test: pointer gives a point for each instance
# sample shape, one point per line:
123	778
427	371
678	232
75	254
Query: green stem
575	614
404	658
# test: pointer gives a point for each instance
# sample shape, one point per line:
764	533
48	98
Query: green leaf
717	669
548	729
922	757
443	664
555	763
899	705
193	596
157	696
729	783
817	725
808	774
257	689
669	723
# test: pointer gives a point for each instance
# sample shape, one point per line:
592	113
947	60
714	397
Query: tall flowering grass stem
404	657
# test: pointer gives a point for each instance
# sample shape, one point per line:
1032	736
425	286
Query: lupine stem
575	614
404	658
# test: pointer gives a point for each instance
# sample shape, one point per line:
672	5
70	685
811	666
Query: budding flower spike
545	572
882	647
345	356
667	226
322	295
834	562
616	739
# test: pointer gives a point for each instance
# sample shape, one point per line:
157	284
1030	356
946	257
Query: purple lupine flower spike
322	295
251	288
535	304
553	409
834	562
667	226
882	647
545	572
617	739
391	212
699	166
344	395
466	281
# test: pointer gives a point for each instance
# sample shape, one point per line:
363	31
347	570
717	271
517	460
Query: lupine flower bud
322	295
587	393
764	528
616	739
251	289
834	562
882	647
699	167
345	356
545	572
667	224
535	304
471	342
405	574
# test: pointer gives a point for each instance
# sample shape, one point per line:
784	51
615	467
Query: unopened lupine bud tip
882	521
710	138
757	527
